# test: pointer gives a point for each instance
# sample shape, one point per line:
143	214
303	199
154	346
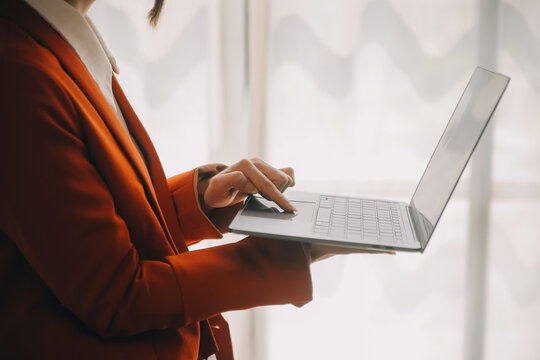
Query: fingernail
291	209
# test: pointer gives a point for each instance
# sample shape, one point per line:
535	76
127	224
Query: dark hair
155	11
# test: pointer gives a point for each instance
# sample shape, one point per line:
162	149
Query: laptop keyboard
358	219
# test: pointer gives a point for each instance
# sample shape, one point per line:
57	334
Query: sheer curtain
354	94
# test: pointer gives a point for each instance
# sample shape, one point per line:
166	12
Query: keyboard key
370	224
323	215
370	231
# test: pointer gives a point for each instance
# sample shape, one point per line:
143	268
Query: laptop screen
455	147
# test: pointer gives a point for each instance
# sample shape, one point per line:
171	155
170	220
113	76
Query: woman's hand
234	183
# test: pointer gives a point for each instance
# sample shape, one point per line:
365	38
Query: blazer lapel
40	30
154	165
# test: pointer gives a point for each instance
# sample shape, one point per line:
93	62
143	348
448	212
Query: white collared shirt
81	34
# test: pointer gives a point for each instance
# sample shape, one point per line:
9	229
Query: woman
93	238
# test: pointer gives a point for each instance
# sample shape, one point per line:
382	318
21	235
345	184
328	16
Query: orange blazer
93	238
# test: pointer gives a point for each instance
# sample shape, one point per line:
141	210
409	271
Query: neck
81	5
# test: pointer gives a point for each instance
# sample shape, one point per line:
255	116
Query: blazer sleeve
195	224
60	214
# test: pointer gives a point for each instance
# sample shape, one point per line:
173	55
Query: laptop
383	224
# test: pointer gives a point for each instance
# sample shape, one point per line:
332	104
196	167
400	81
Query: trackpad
260	207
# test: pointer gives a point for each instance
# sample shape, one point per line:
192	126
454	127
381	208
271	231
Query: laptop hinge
419	232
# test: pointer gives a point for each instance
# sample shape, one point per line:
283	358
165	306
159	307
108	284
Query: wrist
202	185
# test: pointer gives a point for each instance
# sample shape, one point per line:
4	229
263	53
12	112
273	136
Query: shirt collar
81	34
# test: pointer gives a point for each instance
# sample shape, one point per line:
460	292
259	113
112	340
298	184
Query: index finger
265	187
